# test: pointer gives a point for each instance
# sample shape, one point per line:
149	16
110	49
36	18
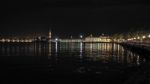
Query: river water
103	63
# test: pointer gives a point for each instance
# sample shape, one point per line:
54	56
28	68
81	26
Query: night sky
67	18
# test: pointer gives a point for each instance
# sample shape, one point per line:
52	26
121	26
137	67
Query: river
103	63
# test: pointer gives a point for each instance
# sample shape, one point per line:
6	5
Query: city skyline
75	41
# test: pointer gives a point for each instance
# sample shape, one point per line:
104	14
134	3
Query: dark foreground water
71	63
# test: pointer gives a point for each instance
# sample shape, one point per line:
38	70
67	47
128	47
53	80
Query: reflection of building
98	39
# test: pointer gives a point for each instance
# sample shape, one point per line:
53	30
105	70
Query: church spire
49	34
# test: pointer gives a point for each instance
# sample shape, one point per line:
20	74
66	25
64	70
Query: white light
8	40
13	40
39	38
134	38
81	49
56	39
129	39
144	37
56	46
81	36
17	40
138	37
149	36
3	40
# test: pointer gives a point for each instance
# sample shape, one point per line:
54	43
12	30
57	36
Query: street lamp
56	39
81	36
149	36
143	37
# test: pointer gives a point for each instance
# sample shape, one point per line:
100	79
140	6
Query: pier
139	47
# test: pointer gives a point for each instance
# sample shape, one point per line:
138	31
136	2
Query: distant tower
49	34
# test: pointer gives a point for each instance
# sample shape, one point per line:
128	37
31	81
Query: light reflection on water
78	57
104	52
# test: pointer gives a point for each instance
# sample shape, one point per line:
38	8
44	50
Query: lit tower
49	34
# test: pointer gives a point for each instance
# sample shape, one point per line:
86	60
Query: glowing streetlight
81	36
3	40
56	39
143	37
13	40
149	36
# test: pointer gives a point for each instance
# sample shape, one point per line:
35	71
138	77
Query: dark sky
73	17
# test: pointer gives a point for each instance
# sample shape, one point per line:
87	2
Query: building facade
98	39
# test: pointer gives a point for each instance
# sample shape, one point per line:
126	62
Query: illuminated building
70	40
98	39
49	34
149	36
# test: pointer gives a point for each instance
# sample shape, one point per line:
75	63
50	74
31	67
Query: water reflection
102	52
49	50
81	50
56	47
